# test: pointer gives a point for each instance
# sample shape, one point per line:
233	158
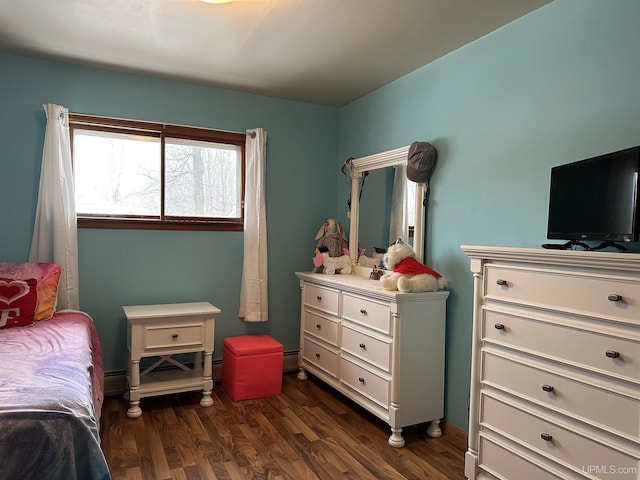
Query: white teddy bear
409	275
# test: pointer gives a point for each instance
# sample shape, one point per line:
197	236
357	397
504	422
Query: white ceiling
328	52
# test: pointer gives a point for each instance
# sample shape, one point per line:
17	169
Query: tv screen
596	199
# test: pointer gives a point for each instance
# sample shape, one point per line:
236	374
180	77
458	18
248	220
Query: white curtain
253	291
55	238
399	225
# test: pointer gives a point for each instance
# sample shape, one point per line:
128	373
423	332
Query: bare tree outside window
202	179
131	174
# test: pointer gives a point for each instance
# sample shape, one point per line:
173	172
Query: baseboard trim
115	381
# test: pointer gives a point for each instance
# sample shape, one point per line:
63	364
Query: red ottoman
251	367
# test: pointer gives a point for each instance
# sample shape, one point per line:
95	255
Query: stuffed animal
409	275
332	265
332	236
375	260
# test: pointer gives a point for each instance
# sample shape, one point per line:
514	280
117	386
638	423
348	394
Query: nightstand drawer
188	337
321	327
564	394
365	312
582	348
324	299
548	438
367	347
616	298
365	382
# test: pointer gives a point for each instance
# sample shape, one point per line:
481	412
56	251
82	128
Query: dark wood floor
308	432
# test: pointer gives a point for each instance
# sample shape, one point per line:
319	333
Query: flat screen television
596	199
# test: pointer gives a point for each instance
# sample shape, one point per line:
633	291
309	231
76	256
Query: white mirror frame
386	159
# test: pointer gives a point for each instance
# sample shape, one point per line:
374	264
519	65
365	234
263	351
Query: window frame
160	130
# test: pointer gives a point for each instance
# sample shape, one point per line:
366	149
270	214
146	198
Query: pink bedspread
51	394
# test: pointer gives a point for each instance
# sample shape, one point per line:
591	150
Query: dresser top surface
621	261
366	286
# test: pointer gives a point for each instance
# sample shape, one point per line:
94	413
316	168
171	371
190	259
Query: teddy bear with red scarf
408	274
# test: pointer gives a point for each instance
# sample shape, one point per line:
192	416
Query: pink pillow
18	300
47	276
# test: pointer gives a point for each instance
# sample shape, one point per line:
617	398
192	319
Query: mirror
379	185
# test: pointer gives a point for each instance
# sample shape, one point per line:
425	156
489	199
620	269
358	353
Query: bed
51	391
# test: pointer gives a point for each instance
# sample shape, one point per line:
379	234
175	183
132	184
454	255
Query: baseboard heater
115	381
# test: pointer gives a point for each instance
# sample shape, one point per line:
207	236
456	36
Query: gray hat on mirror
420	162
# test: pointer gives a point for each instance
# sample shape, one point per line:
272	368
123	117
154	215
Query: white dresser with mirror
385	350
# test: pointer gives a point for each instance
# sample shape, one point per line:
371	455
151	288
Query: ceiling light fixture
216	1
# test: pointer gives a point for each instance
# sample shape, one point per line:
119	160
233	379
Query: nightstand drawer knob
612	354
501	282
363	346
499	326
317	355
361	379
363	311
319	298
318	326
174	336
547	388
614	297
546	437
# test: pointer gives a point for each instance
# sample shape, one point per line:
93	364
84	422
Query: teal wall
125	267
557	85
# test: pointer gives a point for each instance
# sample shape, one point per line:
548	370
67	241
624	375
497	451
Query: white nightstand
162	331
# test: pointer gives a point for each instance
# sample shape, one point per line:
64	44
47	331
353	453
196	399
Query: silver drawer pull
363	311
319	298
547	388
614	297
361	379
498	326
318	326
612	354
501	282
174	336
546	436
363	346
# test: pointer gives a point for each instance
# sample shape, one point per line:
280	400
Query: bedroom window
132	174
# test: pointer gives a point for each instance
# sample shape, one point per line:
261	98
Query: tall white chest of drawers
555	378
384	350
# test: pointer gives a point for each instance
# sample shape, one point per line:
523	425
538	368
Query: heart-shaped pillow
18	302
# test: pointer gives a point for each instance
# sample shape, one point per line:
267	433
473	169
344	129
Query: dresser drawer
366	312
187	336
321	298
373	350
564	394
505	464
551	440
587	349
321	327
320	356
572	292
365	382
